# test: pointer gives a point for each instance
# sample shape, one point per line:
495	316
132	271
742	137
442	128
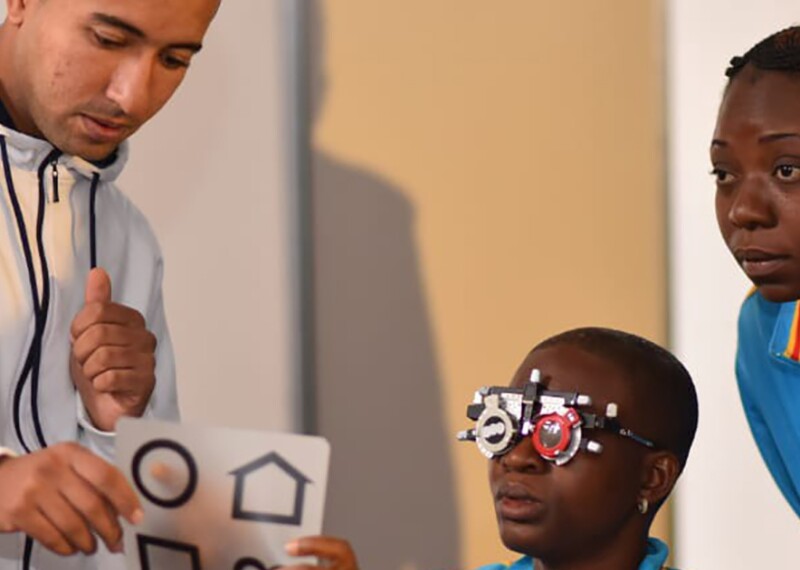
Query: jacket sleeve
761	433
751	345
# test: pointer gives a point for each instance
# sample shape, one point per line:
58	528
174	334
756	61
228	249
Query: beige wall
485	174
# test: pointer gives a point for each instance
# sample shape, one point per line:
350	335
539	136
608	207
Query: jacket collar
27	152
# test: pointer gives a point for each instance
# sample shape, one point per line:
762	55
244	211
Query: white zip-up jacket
46	197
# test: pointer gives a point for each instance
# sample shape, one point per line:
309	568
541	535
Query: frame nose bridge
523	456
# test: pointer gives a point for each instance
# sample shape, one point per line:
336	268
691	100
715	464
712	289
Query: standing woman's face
755	154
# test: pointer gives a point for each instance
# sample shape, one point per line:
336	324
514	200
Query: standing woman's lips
515	502
758	263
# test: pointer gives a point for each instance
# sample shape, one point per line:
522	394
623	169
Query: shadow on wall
391	488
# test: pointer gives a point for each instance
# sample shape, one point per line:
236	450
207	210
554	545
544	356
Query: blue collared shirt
654	559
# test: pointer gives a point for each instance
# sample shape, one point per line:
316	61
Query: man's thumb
98	286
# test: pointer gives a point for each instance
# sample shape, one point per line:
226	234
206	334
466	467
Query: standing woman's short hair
778	52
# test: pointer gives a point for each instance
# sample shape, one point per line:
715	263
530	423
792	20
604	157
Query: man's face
573	511
755	155
88	73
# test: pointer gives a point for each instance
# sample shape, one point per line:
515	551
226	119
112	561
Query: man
79	349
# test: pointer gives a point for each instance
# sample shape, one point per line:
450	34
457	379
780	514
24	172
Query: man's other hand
113	356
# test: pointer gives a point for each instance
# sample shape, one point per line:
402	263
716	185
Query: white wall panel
214	172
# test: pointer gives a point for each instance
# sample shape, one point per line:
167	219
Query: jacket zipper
54	166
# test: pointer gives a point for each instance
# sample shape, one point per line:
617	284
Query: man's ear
15	10
661	470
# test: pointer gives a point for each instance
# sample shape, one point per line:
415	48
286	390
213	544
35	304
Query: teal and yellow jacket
768	375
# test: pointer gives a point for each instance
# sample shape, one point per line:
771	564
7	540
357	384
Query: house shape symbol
240	510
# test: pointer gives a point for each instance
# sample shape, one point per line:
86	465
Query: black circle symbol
191	466
249	563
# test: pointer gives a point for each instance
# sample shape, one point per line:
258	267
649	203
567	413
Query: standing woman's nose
752	204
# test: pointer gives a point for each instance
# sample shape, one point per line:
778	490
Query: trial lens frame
504	415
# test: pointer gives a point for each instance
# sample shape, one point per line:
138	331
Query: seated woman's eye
788	173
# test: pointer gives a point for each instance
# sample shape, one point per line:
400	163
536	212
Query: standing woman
755	154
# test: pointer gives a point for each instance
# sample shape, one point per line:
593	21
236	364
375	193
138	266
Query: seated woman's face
557	512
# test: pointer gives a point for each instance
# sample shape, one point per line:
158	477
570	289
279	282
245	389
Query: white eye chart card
219	498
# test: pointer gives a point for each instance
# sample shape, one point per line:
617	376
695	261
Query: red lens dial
552	433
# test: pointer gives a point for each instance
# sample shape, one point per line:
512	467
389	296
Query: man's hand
63	496
334	553
113	356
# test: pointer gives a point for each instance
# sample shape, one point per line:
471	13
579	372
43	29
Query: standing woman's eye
787	173
722	176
